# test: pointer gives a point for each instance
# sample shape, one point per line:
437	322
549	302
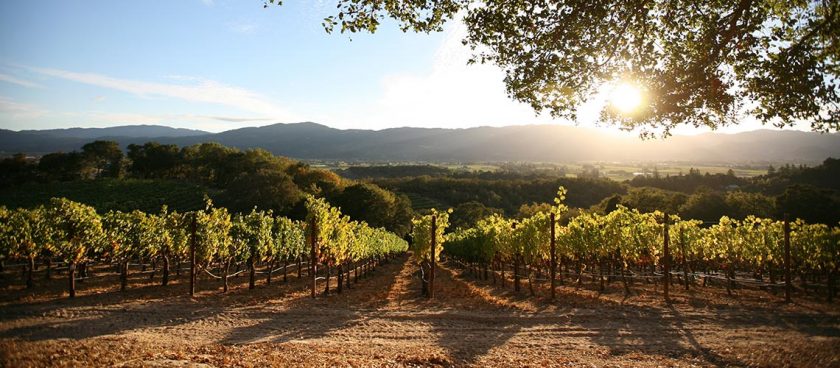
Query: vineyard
186	289
627	245
72	237
398	183
623	245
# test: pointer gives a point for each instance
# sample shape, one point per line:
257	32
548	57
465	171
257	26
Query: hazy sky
223	64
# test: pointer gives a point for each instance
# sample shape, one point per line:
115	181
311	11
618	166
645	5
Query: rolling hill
543	143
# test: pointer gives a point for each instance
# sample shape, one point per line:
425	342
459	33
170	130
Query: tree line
812	194
238	180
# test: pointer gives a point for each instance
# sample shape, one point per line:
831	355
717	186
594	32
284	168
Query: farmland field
384	321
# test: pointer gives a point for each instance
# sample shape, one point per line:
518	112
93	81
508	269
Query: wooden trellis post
553	259
432	271
313	267
667	258
192	254
787	259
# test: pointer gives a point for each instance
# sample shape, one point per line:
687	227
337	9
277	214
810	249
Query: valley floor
383	321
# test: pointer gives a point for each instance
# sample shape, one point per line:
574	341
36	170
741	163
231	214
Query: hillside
64	140
544	143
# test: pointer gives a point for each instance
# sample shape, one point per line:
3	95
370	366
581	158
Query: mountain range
535	143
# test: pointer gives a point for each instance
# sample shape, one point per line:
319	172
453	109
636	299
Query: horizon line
603	129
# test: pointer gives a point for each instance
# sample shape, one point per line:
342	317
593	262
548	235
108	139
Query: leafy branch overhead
699	63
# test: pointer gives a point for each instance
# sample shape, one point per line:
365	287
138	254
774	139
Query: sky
216	65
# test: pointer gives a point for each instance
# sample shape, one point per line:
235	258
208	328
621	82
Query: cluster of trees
815	205
97	159
626	242
76	235
392	171
689	183
812	194
517	170
239	179
825	175
507	195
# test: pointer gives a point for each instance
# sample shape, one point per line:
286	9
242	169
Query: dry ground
383	321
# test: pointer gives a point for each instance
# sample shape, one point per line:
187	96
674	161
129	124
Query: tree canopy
699	63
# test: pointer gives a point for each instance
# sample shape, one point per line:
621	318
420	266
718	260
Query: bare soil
383	321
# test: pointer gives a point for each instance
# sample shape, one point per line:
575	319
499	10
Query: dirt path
383	321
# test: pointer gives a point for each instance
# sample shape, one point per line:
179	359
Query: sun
626	97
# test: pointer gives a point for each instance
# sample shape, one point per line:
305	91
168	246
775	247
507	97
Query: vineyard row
74	234
626	244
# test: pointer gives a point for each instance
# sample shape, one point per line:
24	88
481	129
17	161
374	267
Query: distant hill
133	131
54	140
545	143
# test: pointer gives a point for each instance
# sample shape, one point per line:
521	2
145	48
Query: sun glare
626	97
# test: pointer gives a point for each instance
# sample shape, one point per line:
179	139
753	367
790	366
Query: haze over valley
529	143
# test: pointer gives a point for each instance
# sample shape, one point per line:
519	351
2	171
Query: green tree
17	169
698	63
467	215
653	199
705	205
811	204
105	158
62	166
154	160
212	163
376	206
743	204
314	181
269	189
